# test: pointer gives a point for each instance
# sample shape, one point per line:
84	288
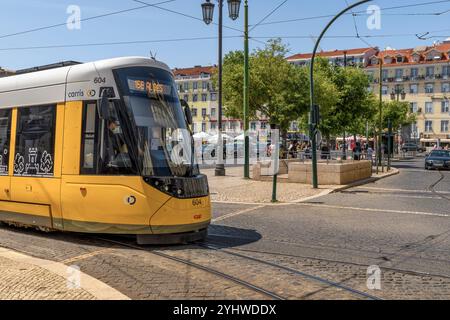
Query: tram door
5	142
36	179
101	190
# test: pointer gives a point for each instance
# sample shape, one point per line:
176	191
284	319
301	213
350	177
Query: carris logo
80	93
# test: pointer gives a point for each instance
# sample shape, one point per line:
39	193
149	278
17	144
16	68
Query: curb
321	194
367	181
95	287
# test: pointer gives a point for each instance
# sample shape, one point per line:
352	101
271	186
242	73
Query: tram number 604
99	80
197	202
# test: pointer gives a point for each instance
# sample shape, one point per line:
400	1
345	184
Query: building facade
5	73
351	57
195	86
420	76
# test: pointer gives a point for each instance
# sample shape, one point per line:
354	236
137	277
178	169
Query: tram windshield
164	142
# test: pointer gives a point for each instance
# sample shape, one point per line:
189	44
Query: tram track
244	283
294	271
433	186
403	271
228	277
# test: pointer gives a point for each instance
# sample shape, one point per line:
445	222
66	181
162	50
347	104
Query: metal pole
246	95
389	143
313	126
344	150
380	123
220	167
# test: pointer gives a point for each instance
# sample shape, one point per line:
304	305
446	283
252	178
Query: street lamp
208	14
233	8
398	93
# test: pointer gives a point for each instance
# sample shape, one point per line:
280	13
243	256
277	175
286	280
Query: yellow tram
100	147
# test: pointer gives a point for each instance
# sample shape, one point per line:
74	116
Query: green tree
354	106
399	114
278	89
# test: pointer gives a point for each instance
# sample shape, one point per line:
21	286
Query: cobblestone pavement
143	275
396	224
22	281
233	188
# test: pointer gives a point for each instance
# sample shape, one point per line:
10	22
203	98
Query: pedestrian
370	154
357	151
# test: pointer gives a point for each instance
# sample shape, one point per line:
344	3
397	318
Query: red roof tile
330	53
195	71
409	53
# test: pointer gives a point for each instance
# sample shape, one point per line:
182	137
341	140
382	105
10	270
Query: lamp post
208	15
246	95
396	94
314	109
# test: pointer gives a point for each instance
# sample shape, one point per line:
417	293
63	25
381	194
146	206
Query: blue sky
154	24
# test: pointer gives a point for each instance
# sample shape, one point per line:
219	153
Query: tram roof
72	74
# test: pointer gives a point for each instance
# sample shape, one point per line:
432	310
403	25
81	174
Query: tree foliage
281	91
398	113
278	89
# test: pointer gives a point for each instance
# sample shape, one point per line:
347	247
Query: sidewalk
27	278
233	188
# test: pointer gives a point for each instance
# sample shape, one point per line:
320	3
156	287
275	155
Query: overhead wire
268	15
356	12
82	20
188	16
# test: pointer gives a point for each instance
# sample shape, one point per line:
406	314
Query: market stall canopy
202	135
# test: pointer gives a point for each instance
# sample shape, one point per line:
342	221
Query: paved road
398	224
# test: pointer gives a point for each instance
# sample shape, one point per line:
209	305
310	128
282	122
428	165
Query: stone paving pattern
27	282
336	242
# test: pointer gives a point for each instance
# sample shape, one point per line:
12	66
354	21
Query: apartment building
351	57
420	76
196	87
5	72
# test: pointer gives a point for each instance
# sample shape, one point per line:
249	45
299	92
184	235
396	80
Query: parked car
412	147
438	159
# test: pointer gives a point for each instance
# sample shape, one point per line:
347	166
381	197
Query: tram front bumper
181	216
170	239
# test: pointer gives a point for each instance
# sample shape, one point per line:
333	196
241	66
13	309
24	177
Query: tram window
89	154
35	141
5	133
104	147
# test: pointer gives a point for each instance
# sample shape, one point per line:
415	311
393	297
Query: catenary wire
268	15
356	13
81	20
187	15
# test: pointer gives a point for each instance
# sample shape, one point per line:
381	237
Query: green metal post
389	144
312	125
380	128
246	96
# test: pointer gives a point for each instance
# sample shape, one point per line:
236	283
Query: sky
396	28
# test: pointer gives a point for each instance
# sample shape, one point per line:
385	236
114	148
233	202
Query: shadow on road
222	236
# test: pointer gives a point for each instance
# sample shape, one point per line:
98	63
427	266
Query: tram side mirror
187	112
104	107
